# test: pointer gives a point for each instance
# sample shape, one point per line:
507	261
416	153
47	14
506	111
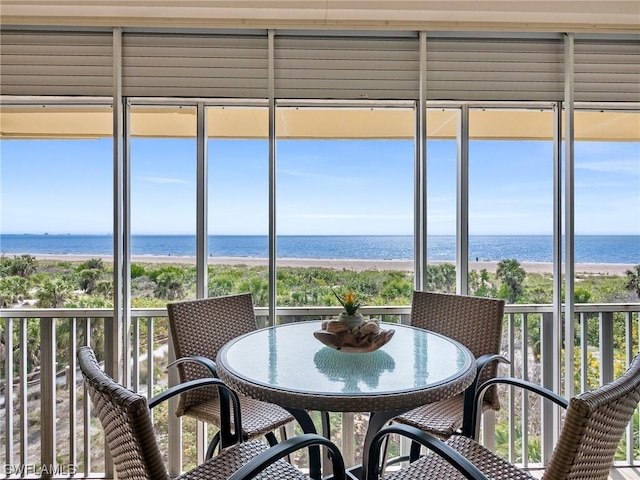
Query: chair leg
212	446
385	452
325	422
283	437
414	452
271	438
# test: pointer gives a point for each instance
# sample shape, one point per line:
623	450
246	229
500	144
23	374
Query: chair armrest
282	449
532	387
185	387
204	361
484	360
452	456
470	409
226	395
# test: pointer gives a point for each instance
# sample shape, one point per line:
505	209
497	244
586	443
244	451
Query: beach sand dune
340	264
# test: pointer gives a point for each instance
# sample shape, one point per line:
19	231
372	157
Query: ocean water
623	249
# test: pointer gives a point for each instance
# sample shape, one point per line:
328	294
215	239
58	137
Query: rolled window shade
607	71
346	68
190	65
56	63
467	67
495	69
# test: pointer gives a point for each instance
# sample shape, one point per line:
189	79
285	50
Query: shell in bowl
367	337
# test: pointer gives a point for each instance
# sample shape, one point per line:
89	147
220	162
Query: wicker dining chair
199	328
476	322
593	426
131	439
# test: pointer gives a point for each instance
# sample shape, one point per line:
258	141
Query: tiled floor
626	473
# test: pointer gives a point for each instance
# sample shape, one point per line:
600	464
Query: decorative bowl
356	340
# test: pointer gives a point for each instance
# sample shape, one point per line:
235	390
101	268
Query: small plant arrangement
349	301
350	332
350	317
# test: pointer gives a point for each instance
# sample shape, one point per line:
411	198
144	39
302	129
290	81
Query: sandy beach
339	264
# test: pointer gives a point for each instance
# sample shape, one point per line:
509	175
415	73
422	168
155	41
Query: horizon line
324	234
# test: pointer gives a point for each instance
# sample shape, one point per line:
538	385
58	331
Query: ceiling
310	123
498	15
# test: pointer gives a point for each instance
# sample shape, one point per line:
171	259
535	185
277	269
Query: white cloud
163	180
303	174
343	216
627	167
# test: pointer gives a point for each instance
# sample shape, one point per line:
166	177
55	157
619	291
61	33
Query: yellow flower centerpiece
350	317
350	333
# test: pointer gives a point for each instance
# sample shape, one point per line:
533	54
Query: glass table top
290	358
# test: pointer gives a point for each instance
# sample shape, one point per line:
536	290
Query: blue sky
324	187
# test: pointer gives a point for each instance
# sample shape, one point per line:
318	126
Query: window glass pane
442	154
511	204
163	204
344	206
56	193
238	203
607	204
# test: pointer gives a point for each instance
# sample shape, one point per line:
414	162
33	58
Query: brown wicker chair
131	439
593	426
475	322
199	328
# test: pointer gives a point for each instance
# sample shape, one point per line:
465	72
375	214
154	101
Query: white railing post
174	422
86	404
24	404
348	438
548	369
511	397
8	389
629	341
524	408
606	347
47	392
73	397
584	348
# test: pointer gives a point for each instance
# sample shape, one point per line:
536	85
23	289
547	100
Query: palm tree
512	276
633	280
53	293
12	289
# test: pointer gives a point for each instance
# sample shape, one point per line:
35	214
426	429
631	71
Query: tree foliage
512	276
53	293
633	280
22	266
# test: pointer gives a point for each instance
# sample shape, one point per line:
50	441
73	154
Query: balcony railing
46	425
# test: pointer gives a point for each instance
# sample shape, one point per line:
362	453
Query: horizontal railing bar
312	310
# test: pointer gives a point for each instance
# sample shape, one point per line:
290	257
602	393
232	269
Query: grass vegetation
28	283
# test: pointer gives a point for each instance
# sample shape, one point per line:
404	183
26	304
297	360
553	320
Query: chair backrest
593	426
476	322
126	422
201	327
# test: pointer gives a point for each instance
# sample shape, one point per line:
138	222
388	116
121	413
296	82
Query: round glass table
288	366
